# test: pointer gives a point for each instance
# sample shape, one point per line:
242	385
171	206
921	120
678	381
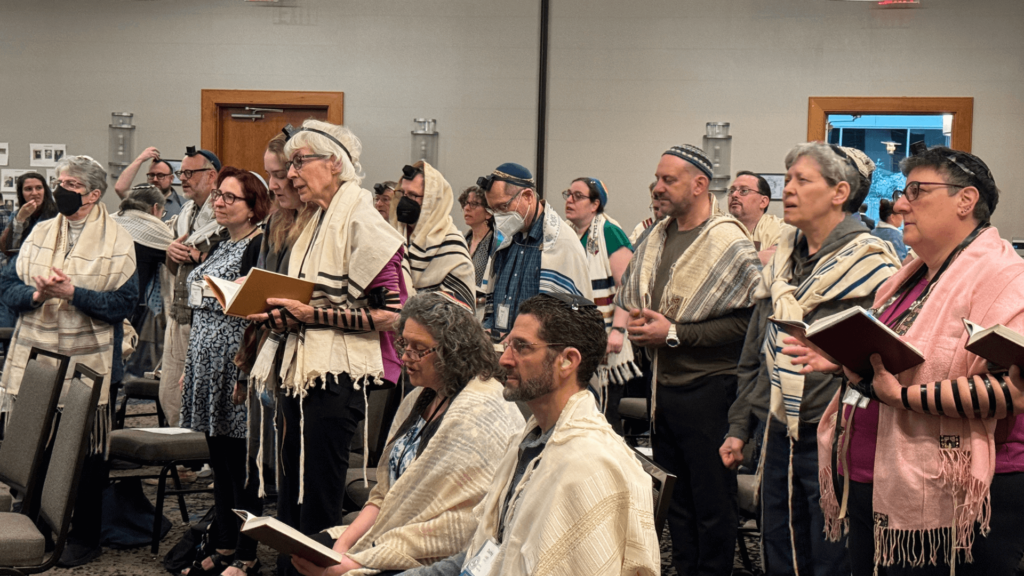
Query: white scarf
146	229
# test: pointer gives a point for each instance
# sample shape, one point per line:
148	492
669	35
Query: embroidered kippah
693	155
514	173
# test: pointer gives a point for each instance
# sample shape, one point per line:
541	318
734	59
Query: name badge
482	563
503	312
195	295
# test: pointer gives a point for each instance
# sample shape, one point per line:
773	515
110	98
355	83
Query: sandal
220	562
253	570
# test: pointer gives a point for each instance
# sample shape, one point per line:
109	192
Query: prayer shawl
427	515
583	507
436	256
932	473
341	254
102	260
563	265
617	368
146	229
768	231
853	271
717	274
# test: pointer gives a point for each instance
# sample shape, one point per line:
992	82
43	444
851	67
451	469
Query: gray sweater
754	390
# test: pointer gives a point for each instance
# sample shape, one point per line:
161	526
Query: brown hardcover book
850	337
287	540
998	344
250	297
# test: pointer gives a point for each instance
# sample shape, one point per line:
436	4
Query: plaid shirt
517	277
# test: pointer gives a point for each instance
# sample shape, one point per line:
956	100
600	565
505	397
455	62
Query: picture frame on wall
776	182
175	166
9	179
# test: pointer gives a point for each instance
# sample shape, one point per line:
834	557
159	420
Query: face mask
407	211
506	224
68	202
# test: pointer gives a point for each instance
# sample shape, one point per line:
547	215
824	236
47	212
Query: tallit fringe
302	447
834	526
619	374
908	547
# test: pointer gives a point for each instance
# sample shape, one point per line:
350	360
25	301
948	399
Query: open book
287	540
998	344
250	297
850	337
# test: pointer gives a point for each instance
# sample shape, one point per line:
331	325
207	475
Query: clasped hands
56	286
647	327
182	254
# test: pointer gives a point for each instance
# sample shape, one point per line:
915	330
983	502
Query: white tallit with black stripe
852	272
436	255
342	254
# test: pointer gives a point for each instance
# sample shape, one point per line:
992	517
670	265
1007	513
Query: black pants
87	518
330	415
231	465
689	425
999	553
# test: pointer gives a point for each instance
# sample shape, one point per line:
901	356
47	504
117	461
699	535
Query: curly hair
464	351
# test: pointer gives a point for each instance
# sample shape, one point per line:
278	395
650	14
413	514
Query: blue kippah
693	155
602	192
514	173
191	151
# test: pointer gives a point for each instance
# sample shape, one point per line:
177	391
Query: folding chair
22	544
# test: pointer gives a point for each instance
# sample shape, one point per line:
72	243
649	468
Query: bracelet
903	396
618	329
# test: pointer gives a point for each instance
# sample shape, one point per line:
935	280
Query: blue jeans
799	538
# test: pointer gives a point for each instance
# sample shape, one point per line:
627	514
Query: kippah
693	155
514	174
602	192
260	178
864	165
165	162
191	151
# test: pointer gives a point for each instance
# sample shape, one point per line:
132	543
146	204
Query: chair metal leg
159	514
181	497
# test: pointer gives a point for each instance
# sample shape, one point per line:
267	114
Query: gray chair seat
142	388
24	544
634	408
6	499
747	488
147	447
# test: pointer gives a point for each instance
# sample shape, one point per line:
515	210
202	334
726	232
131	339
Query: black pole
542	95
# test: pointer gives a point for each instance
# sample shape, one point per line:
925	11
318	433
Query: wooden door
239	136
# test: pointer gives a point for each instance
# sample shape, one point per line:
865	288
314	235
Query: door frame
962	109
214	100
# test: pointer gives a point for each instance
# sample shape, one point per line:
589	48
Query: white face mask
506	225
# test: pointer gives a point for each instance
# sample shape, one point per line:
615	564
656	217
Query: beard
532	388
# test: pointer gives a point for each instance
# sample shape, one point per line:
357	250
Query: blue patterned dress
210	373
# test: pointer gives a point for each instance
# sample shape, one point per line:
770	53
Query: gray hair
836	169
464	351
89	171
142	197
351	169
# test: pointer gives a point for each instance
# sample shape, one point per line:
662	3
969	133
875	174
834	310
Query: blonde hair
285	227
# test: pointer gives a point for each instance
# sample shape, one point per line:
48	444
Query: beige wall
627	79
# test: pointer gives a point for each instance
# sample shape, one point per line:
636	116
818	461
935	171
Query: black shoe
77	555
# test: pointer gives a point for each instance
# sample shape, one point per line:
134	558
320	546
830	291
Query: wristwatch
671	339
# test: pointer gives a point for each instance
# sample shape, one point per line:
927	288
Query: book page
223	290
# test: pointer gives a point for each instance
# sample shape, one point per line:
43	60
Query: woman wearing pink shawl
931	457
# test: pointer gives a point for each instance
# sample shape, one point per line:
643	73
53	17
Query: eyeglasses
503	207
227	197
155	176
301	160
576	196
913	190
520	346
402	347
417	197
742	191
472	205
73	185
187	174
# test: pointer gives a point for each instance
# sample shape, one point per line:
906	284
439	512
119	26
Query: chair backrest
663	485
69	449
22	454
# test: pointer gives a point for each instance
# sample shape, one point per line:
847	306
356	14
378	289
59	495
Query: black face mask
407	211
68	202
